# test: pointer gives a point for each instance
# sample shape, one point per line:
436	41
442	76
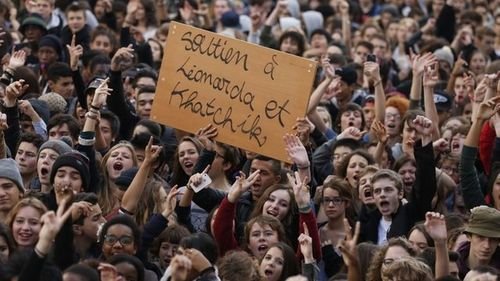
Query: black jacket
420	202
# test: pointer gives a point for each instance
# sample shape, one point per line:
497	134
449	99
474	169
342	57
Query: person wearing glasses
121	235
395	250
336	199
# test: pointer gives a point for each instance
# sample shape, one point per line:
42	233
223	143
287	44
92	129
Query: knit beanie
75	160
9	170
126	177
58	146
55	102
53	42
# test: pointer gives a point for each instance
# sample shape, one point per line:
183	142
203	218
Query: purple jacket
462	262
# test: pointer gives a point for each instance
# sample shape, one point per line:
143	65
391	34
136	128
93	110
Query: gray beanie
9	170
58	146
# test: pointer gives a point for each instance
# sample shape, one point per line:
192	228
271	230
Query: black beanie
53	42
75	160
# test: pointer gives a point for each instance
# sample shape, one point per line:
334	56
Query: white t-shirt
383	228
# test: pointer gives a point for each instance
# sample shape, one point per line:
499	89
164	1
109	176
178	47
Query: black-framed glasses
335	200
124	240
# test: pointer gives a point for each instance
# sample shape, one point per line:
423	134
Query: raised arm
12	92
224	220
298	154
372	72
469	180
133	194
435	225
51	225
418	67
380	134
75	52
307	218
431	77
425	185
317	94
349	252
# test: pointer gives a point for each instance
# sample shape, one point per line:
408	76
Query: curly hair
374	272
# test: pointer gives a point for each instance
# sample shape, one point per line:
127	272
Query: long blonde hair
107	200
26	202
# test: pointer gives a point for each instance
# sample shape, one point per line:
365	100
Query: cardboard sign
251	93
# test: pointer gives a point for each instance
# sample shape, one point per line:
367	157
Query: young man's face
92	222
387	196
67	179
219	164
57	132
26	158
409	132
76	20
47	55
33	33
460	90
45	161
319	41
63	86
45	9
339	154
266	177
483	248
106	131
9	195
145	104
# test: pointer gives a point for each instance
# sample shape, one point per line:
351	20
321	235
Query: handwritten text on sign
252	94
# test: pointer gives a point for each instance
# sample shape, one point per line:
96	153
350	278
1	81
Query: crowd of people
394	174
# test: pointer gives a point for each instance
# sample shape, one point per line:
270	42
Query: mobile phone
205	181
371	57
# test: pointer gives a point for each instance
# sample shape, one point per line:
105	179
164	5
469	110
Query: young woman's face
26	226
119	160
333	204
417	239
102	43
351	118
155	50
357	165
119	239
290	46
167	253
140	11
277	205
188	156
272	264
261	238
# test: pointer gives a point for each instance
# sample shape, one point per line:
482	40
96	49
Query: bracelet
377	83
305	209
94	107
86	142
39	253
